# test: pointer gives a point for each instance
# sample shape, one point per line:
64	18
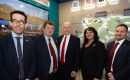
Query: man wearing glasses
16	51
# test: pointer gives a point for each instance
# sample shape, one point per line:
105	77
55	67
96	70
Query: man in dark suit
17	59
47	54
69	48
118	61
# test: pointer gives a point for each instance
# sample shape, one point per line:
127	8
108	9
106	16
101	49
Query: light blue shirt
14	35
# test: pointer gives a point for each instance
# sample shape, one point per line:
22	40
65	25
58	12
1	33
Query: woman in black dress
93	55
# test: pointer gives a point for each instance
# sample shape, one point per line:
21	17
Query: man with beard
118	60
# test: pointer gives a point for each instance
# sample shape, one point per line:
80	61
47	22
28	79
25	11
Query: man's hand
73	74
36	79
95	79
110	76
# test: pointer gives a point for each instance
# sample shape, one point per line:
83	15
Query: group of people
43	58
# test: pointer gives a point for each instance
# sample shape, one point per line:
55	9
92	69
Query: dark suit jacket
43	57
93	60
72	54
121	64
9	66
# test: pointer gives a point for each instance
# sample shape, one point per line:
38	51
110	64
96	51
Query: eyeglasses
21	22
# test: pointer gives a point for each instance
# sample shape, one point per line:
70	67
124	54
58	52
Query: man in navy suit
118	64
17	59
47	54
69	51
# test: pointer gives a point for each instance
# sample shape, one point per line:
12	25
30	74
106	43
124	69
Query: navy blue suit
43	57
9	66
121	64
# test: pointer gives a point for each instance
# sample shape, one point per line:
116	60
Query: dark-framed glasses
21	22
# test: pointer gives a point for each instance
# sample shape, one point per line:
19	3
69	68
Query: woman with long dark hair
92	55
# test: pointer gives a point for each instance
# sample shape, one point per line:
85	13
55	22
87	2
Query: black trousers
51	76
63	76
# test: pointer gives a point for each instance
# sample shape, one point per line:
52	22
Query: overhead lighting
113	2
75	6
88	4
101	3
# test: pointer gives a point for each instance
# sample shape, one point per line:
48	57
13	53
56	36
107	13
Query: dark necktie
111	54
21	69
63	51
53	55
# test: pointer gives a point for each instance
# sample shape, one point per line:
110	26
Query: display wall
103	18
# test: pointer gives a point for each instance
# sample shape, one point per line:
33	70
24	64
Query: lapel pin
94	45
27	40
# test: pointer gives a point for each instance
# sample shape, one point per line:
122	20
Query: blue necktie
20	58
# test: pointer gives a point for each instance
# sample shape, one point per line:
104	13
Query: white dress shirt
55	49
118	46
66	45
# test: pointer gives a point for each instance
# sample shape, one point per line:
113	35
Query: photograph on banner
36	16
